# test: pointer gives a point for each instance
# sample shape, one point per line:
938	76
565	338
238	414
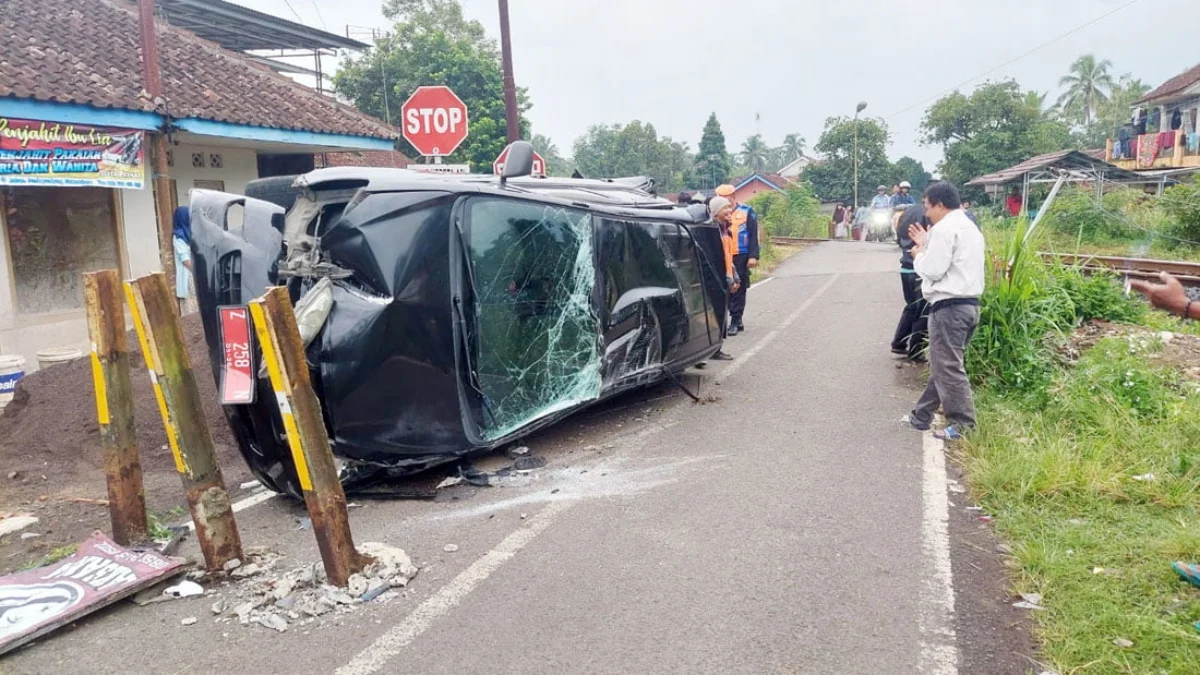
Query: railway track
1135	268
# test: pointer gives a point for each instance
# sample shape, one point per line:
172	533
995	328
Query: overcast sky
672	62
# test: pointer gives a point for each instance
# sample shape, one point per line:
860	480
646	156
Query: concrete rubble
260	593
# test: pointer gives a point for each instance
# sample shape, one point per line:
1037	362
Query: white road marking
243	504
769	337
391	643
939	652
764	282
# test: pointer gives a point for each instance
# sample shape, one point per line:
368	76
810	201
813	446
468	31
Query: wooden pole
160	180
114	407
155	315
283	352
512	115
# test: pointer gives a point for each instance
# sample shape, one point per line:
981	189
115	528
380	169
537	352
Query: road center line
732	368
939	652
764	282
391	643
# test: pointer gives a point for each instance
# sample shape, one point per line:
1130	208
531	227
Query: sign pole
156	318
114	407
283	353
512	117
161	181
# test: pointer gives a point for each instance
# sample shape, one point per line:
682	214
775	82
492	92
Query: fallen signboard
38	601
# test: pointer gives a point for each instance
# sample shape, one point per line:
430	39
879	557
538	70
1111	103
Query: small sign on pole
539	164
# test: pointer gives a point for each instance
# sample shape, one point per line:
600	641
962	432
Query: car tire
277	190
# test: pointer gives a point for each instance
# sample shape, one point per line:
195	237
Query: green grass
1058	479
51	558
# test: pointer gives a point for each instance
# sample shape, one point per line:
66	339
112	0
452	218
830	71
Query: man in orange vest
744	225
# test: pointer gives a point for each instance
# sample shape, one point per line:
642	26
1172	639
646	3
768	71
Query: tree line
995	126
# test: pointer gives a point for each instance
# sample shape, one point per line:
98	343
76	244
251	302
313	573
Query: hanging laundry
1147	150
1166	143
1193	142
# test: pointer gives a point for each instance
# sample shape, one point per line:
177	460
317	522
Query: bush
1182	204
1028	306
796	213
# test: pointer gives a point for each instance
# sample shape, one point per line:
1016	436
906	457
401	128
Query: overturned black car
445	315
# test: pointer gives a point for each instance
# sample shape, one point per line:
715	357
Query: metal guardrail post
283	352
155	315
114	406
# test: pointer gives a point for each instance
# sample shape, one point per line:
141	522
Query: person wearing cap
743	223
722	211
881	199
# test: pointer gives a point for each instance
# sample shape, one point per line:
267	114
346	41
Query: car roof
617	196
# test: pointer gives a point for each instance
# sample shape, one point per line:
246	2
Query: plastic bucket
12	369
50	357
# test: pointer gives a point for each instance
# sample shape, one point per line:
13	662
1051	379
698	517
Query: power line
294	12
319	17
1015	59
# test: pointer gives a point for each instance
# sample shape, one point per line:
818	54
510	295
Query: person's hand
1169	295
919	235
752	263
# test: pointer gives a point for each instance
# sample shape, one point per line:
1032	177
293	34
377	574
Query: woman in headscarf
722	212
182	240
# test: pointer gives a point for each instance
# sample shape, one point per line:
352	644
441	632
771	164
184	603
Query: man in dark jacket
744	224
912	331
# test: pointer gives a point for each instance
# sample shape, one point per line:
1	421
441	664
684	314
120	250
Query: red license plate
237	372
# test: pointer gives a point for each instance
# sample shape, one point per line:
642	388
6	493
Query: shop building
76	193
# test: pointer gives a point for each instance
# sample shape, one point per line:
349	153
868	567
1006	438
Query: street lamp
862	105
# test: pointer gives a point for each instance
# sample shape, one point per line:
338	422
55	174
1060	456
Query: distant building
794	168
1163	133
744	189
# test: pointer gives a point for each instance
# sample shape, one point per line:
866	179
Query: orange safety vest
737	226
729	243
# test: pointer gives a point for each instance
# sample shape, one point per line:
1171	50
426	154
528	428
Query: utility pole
862	105
160	182
511	115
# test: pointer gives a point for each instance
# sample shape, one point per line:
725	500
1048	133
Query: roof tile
1174	85
200	79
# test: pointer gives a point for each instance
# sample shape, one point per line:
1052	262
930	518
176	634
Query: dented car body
460	314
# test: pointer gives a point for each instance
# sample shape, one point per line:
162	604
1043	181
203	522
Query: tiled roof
1173	86
87	52
772	179
373	158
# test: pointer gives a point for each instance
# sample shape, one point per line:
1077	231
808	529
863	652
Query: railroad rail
1135	268
1188	273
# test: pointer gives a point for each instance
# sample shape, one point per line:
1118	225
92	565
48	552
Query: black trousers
737	301
912	332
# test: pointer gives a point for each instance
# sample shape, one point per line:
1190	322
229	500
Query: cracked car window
535	339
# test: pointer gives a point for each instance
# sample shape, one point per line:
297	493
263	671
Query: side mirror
519	161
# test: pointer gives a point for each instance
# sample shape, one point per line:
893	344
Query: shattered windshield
536	337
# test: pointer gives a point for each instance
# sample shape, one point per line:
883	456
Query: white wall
238	167
26	334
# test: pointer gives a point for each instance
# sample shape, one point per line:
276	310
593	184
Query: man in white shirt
949	258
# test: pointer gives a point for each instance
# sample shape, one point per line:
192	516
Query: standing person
1013	203
949	257
895	190
743	222
966	207
913	330
722	213
835	225
181	240
904	196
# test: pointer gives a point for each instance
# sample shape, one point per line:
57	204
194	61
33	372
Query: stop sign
435	121
539	163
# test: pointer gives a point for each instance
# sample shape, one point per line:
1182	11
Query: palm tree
755	153
793	148
1088	84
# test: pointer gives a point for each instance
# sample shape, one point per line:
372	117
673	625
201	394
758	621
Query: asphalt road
788	524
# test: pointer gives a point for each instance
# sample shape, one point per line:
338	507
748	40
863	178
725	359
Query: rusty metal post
114	407
156	319
283	351
512	115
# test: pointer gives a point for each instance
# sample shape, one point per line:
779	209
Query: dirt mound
50	438
1179	350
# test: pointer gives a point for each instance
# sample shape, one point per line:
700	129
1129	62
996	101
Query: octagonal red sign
435	121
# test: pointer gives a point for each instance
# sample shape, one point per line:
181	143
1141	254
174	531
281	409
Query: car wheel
277	190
